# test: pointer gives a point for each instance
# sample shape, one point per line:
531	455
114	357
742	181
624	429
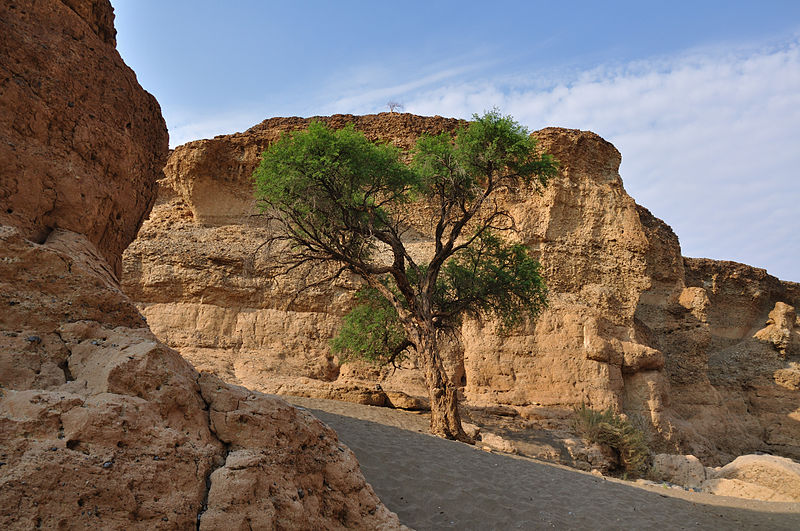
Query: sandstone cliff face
631	324
731	345
102	426
81	148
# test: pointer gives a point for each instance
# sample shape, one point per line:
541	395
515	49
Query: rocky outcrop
82	144
732	371
631	324
759	477
102	426
756	477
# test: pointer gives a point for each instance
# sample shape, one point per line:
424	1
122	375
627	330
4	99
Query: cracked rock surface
102	426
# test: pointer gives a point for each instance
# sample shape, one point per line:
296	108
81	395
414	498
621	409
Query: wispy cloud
359	101
366	88
710	141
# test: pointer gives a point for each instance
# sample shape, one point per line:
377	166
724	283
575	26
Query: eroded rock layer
631	324
102	426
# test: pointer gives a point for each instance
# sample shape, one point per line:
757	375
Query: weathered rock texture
730	346
631	324
101	425
686	470
761	477
82	145
758	477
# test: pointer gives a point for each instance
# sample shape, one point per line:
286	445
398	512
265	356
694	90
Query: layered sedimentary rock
102	426
631	324
731	345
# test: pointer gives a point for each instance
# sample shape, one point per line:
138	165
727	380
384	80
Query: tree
394	106
335	197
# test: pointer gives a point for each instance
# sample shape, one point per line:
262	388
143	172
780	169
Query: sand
432	483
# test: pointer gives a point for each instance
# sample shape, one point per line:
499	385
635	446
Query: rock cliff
102	426
682	343
81	147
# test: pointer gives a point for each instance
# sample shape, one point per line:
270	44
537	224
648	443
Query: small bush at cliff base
609	429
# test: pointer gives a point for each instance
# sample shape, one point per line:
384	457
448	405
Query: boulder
782	330
492	441
760	477
686	470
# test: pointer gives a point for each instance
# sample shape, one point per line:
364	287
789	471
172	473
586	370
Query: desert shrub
609	429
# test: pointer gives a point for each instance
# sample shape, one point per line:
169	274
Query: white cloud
710	141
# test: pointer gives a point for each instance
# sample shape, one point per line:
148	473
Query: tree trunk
445	419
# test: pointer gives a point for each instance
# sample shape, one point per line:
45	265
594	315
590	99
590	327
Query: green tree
335	197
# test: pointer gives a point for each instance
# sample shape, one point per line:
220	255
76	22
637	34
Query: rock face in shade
631	324
733	360
102	426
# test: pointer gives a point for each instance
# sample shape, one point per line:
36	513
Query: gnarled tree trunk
443	393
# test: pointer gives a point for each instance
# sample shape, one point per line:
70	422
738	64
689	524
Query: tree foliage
337	198
329	191
371	331
489	278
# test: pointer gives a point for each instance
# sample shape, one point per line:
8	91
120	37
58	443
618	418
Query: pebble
33	339
107	464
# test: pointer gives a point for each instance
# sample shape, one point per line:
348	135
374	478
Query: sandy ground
432	483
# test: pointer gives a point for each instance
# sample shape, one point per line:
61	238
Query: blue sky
702	98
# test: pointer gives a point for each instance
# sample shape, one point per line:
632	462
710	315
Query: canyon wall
683	344
211	295
102	426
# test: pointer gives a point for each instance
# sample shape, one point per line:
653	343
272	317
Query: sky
702	98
